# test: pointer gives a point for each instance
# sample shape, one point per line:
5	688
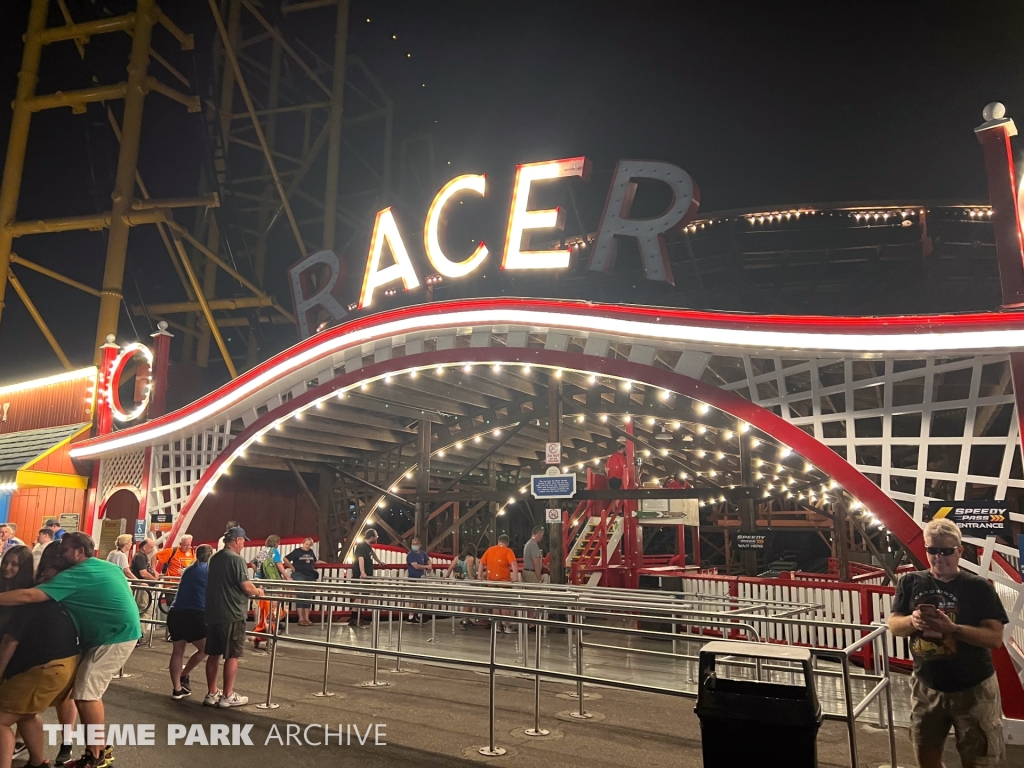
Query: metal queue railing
614	613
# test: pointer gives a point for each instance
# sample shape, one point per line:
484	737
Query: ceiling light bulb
664	451
497	368
477	439
604	417
664	394
458	446
727	434
784	452
440	454
467	368
439	370
702	430
719	455
580	419
650	421
558	373
592	379
526	369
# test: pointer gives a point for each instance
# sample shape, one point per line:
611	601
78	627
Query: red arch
891	514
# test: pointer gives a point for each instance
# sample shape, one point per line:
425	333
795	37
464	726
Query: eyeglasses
944	551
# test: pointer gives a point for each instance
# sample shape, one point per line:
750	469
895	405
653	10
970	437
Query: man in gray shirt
533	558
228	590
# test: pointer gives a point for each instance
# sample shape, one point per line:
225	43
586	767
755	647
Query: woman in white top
119	556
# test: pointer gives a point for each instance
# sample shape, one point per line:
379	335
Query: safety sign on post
553	453
553	515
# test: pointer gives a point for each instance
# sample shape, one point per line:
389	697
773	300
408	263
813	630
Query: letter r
648	233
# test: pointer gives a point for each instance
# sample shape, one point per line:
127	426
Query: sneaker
510	630
234	700
186	684
180	694
20	749
64	756
212	699
88	760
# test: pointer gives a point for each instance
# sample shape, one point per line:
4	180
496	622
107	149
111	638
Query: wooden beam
456	524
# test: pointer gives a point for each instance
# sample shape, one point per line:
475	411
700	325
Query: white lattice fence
178	466
921	429
121	471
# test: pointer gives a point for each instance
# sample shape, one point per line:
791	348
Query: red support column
104	426
994	135
161	364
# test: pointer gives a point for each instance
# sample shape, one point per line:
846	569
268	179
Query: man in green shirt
100	602
228	590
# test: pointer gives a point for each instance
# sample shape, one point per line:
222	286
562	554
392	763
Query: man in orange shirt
500	563
174	560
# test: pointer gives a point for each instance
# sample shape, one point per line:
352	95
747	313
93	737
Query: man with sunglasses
953	619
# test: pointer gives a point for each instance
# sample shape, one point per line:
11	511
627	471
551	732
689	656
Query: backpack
265	567
162	568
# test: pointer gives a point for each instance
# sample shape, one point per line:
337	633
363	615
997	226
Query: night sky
764	104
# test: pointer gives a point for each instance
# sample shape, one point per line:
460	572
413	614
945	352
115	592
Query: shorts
615	483
98	667
530	577
227	640
297	576
974	714
186	625
37	689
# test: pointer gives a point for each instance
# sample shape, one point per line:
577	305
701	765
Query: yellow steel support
17	141
16	259
87	29
20	290
204	305
124	183
179	307
229	52
334	138
78	100
93	222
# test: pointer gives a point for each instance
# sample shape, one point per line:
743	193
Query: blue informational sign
140	530
553	486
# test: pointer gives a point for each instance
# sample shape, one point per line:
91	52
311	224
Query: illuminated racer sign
616	223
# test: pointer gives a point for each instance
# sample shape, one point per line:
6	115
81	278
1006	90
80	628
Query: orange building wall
31	506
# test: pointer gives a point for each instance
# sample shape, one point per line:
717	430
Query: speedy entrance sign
616	223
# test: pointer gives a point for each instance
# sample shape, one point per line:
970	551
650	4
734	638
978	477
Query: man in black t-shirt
362	566
38	661
303	561
142	568
953	619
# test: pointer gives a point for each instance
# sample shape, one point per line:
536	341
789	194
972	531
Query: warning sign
552	453
974	518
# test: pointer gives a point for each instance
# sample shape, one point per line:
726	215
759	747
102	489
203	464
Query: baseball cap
233	533
51	521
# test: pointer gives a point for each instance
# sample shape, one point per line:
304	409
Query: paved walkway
436	715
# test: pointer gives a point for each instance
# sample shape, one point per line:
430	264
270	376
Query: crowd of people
69	621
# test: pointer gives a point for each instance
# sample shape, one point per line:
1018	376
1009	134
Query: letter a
386	229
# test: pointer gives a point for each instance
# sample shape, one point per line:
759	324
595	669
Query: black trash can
751	723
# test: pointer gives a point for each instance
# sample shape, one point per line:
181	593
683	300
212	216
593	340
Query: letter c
305	735
435	225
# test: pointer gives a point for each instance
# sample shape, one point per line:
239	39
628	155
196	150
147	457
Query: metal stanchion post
327	650
398	655
850	719
536	730
375	631
579	714
273	662
491	750
888	704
